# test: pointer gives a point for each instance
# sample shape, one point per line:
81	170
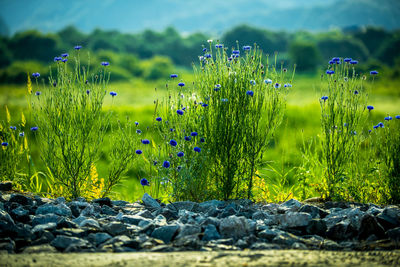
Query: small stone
146	214
62	242
233	226
260	215
90	223
269	234
132	219
188	229
369	226
184	205
211	233
394	234
60	200
7	245
390	217
21	199
298	245
60	209
20	214
116	228
150	202
43	237
43	219
290	205
6	186
98	238
314	211
5	217
103	201
165	233
42	227
316	227
108	211
74	232
286	239
341	231
295	219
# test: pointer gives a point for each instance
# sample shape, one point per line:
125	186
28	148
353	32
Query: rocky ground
35	224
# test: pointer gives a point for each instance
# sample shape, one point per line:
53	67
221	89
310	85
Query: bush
305	55
16	72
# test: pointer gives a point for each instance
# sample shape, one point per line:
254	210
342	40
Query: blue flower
179	168
345	124
336	59
136	123
180	154
166	164
347	59
64	55
144	182
353	132
207	56
197	149
398	117
204	105
236	52
145	141
250	93
331	62
38	93
193	134
370	108
277	85
13	128
376	126
252	82
246	47
77	47
288	85
268	81
188	138
138	131
388	118
57	59
224	99
181	84
34	129
155	162
180	112
112	93
174	76
217	87
330	72
105	63
138	151
356	92
171	129
218	46
4	144
202	140
36	74
22	134
204	49
64	60
172	142
373	72
324	98
354	62
381	125
87	92
158	119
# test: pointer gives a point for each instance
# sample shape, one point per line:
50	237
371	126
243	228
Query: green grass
301	121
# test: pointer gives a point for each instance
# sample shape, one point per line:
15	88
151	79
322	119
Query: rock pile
45	225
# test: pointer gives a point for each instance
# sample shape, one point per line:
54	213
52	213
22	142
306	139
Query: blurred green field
301	122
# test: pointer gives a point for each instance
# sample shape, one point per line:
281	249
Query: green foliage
156	68
348	47
16	72
305	55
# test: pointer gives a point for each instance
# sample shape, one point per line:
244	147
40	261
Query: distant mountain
197	15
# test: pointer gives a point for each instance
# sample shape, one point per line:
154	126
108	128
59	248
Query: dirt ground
228	258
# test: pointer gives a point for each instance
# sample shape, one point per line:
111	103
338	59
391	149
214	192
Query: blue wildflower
381	125
246	47
356	92
174	76
324	98
331	62
36	74
138	151
144	182
180	112
38	93
398	117
181	84
4	144
172	142
353	132
87	92
13	128
252	82
57	59
376	126
64	60
197	149
370	108
193	134
336	59
112	93
288	85
204	49
345	124
250	93
138	131
180	154
78	47
353	62
330	72
155	162
105	63
188	138
22	134
373	72
158	119
268	81
136	123
145	141
207	55
236	52
34	129
347	59
166	164
224	99
171	129
277	85
217	87
64	55
202	140
204	105
388	118
218	46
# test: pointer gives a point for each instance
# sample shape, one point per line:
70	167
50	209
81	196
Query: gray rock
184	205
150	202
188	229
90	223
188	242
211	233
264	246
394	234
98	238
373	210
271	208
369	226
21	199
390	217
290	205
341	231
119	203
316	227
7	245
355	215
20	214
79	220
165	233
60	200
43	219
287	239
314	211
211	204
298	245
5	217
42	227
103	201
269	234
331	245
91	211
294	219
211	220
42	237
235	227
60	209
160	220
116	228
108	211
74	232
146	214
260	215
62	242
132	219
